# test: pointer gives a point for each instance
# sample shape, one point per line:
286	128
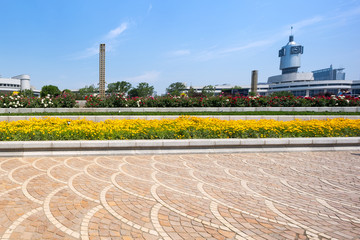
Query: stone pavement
308	195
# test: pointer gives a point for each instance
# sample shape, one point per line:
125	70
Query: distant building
329	74
15	84
323	81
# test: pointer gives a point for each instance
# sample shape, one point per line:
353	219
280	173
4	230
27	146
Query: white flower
45	105
15	105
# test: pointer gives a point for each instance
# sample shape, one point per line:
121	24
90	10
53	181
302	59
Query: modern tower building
102	70
323	81
290	56
290	62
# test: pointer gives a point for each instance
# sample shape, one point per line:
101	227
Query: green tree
176	88
27	93
119	87
208	91
88	90
142	90
51	90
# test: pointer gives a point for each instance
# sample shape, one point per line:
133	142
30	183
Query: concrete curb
183	109
126	147
222	117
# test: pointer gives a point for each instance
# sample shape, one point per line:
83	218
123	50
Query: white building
15	84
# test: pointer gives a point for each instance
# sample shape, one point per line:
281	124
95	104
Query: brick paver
309	195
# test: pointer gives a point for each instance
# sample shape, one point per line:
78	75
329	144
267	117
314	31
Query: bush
19	101
119	100
50	90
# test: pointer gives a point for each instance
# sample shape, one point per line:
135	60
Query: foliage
284	94
176	88
65	100
118	100
142	90
119	87
19	101
192	93
180	128
50	90
252	94
88	90
27	93
93	101
208	91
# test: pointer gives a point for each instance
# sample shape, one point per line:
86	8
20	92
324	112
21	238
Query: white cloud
149	8
151	76
307	22
182	52
91	51
220	52
117	31
110	39
255	44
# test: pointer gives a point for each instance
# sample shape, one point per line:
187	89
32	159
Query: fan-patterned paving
297	195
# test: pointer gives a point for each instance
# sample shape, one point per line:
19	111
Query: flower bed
180	128
68	101
17	101
119	100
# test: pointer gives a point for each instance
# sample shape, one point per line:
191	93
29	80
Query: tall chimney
102	70
254	81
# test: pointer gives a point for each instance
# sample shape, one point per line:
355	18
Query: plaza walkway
309	195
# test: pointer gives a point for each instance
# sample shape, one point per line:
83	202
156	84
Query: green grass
175	113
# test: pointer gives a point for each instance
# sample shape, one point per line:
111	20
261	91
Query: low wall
222	117
126	147
183	109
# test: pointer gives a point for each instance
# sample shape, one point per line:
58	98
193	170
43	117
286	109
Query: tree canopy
208	91
119	87
51	90
87	90
142	90
176	88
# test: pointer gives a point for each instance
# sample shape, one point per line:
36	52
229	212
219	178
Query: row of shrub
63	100
119	100
66	100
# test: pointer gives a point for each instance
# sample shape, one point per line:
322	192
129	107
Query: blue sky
199	42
